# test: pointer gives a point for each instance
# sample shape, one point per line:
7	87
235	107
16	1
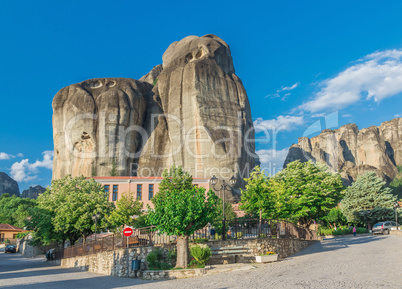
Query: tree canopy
368	192
126	208
306	192
259	197
15	210
71	203
181	209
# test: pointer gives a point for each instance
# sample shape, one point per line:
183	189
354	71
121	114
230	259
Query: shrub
154	257
201	253
200	240
262	236
172	257
218	237
7	241
194	264
341	231
239	235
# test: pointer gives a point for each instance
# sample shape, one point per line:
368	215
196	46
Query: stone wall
399	232
29	251
255	247
115	262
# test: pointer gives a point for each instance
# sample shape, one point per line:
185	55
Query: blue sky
298	60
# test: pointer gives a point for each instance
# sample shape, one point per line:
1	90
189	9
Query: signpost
127	232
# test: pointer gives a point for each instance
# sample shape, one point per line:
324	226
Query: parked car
10	249
384	227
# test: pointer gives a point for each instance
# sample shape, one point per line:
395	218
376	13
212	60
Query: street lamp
396	206
95	218
224	187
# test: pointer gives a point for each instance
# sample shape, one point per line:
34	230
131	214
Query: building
9	232
143	188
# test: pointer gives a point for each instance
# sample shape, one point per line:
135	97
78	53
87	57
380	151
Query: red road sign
128	232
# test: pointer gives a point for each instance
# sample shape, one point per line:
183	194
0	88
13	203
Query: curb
330	237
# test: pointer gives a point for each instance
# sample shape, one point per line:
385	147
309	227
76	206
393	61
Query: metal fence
140	237
234	229
254	228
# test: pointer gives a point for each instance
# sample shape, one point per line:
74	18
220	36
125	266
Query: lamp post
396	206
224	187
95	218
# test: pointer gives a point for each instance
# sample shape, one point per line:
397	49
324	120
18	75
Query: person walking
354	231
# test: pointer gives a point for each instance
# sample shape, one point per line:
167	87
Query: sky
302	63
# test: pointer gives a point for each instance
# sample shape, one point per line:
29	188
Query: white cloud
20	155
24	171
284	88
377	76
5	156
287	123
397	115
272	160
346	115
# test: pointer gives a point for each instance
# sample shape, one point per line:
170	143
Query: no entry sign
128	232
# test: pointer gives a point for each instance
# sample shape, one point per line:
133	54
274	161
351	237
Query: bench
229	255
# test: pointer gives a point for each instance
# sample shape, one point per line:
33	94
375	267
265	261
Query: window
139	192
151	192
115	190
107	188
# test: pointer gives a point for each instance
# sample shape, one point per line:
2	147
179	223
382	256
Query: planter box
266	258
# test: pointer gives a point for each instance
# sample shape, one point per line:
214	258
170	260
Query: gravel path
361	262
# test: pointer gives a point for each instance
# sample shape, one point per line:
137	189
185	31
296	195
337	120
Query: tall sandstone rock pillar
192	111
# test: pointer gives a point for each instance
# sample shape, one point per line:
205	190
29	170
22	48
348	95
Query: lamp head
213	180
233	180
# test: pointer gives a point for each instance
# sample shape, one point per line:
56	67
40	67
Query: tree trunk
182	252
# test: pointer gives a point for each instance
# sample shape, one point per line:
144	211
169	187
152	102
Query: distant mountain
33	192
352	152
8	185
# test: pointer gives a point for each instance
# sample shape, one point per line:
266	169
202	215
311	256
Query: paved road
361	262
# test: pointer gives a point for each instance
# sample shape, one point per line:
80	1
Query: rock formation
33	192
352	152
90	122
192	111
8	185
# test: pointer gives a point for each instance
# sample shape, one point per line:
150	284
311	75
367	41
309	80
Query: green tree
258	196
382	214
41	224
396	184
334	217
72	202
14	210
366	193
127	208
175	178
306	192
181	212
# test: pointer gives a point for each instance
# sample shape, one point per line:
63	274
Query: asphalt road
361	262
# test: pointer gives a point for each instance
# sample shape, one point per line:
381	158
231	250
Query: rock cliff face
192	111
8	185
91	122
352	152
33	192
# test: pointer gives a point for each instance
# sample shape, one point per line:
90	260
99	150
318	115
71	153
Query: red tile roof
10	227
